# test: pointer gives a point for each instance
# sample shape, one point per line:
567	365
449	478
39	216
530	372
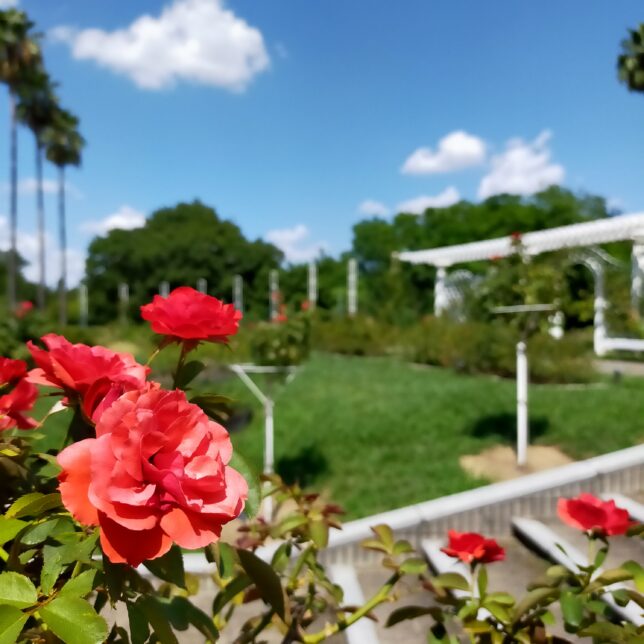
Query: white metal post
238	293
313	285
352	287
124	301
202	285
273	294
522	405
83	305
164	289
440	291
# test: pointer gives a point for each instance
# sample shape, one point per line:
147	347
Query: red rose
75	368
590	514
23	308
18	400
472	547
187	314
155	474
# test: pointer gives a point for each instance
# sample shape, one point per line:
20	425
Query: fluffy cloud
28	249
7	4
29	186
370	207
125	217
293	243
199	41
455	151
525	167
418	205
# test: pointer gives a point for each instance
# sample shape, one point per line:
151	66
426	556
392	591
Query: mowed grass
376	433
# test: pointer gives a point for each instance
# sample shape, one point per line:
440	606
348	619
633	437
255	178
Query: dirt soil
499	463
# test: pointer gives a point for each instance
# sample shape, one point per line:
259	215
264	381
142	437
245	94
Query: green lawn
377	433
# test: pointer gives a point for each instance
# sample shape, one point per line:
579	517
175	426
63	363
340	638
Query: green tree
19	49
178	245
630	63
36	110
64	145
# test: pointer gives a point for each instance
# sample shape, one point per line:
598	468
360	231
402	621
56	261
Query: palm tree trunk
12	259
62	230
41	227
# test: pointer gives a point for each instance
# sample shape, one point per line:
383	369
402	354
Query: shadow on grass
504	426
304	467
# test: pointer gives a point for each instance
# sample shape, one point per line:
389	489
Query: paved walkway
625	367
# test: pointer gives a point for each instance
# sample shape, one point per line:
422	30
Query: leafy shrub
280	344
358	336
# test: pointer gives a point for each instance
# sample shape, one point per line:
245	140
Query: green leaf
33	504
229	592
501	598
139	631
169	567
600	557
81	585
638	574
319	532
572	608
74	621
265	579
158	619
17	590
39	532
182	613
239	463
217	407
290	523
405	613
188	373
613	576
534	598
413	566
604	632
386	536
12	620
281	557
451	580
9	528
53	565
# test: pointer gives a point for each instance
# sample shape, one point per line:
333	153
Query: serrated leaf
265	579
33	504
169	567
17	590
81	585
12	620
74	621
239	463
451	580
39	532
572	608
405	613
9	528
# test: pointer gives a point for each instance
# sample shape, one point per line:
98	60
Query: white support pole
440	291
202	285
83	305
164	289
313	285
124	301
352	287
522	405
637	263
238	293
273	294
599	333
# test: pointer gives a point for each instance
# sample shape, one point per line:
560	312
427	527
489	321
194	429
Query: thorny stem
380	597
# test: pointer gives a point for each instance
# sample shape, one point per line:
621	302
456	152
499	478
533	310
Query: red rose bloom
188	315
590	514
472	548
155	474
76	368
18	400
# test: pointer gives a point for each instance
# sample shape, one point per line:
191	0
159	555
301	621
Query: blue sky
296	119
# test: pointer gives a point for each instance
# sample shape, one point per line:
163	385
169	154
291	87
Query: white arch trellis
619	228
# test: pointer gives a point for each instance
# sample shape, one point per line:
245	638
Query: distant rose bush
590	514
187	315
156	474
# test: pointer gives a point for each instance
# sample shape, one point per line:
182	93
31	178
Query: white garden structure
585	235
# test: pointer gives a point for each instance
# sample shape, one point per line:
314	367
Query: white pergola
618	228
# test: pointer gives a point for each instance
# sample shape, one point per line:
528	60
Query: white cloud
7	4
126	218
29	185
200	41
292	242
525	167
373	208
418	205
28	249
455	151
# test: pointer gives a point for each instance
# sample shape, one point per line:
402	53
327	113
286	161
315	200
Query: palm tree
18	49
630	64
36	110
64	145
